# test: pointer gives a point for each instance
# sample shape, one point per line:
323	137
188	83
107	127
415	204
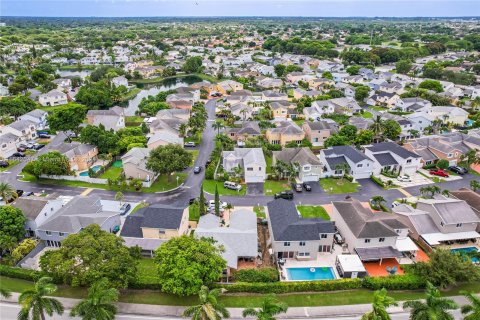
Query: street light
177	180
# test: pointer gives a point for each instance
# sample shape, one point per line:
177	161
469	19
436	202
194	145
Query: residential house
53	98
250	160
38	117
411	104
37	210
270	95
111	119
8	144
23	129
280	109
420	120
120	81
270	83
440	222
75	215
225	87
285	132
384	99
373	236
308	166
294	237
162	139
80	156
238	236
135	164
317	132
63	84
455	115
389	156
341	160
339	105
248	129
151	226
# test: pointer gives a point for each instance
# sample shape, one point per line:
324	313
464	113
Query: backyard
209	187
334	186
271	187
313	212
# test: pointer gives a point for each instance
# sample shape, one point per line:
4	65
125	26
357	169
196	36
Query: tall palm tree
217	125
434	308
381	301
209	307
472	310
99	304
377	127
35	302
7	192
377	201
268	310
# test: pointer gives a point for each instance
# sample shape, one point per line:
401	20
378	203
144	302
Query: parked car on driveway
17	155
38	146
21	149
439	172
307	187
232	185
190	144
3	164
197	170
297	187
125	208
404	178
44	136
458	170
288	194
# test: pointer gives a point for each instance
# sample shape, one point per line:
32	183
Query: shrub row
378	181
257	275
403	282
19	273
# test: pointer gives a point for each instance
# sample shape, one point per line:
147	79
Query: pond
70	73
154	89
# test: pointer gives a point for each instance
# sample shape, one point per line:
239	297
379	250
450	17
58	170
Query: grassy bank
240	300
160	79
130	94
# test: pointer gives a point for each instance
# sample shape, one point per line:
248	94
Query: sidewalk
236	313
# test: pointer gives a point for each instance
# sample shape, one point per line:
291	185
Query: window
323	236
409	161
161	231
367	240
259	168
302	243
61	234
303	254
359	165
381	240
286	244
315	139
459	225
450	155
249	169
441	223
49	233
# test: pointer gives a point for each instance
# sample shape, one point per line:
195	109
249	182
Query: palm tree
7	192
244	112
434	308
380	304
377	201
472	310
99	304
209	307
446	193
217	125
183	129
377	127
35	302
268	310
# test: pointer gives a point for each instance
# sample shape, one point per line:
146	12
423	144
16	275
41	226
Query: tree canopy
12	228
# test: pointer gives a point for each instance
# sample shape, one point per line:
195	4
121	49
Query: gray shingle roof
301	156
287	225
347	151
385	159
392	147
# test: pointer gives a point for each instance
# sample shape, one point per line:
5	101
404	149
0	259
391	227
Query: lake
154	89
70	73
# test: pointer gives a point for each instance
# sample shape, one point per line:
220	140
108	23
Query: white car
404	178
211	204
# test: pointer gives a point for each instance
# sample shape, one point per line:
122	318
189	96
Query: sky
305	8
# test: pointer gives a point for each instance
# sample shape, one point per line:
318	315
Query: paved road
191	187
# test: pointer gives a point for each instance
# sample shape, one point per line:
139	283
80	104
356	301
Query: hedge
378	181
257	275
19	273
398	282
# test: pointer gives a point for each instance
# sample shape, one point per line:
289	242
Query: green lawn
268	161
130	94
133	121
112	173
11	164
196	138
271	187
366	115
346	297
194	154
313	212
260	211
299	122
209	187
147	270
160	185
138	207
332	186
376	108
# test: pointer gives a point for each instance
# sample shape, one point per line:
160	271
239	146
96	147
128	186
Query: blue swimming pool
94	168
314	273
466	251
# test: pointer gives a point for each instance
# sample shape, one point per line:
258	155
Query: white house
53	98
392	157
250	160
340	160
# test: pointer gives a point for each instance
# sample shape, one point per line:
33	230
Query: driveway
416	180
255	188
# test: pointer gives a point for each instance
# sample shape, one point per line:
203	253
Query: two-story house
53	98
38	117
285	132
78	213
390	156
250	160
440	222
309	167
294	237
8	145
248	129
341	160
135	164
23	129
317	132
111	119
372	236
80	156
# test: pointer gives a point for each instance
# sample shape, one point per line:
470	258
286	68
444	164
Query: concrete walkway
236	313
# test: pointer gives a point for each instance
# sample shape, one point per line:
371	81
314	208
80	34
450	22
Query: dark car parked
18	155
44	136
3	164
38	146
197	170
307	187
21	149
458	170
288	194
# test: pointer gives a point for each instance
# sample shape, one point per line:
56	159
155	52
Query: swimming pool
94	168
466	251
313	273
